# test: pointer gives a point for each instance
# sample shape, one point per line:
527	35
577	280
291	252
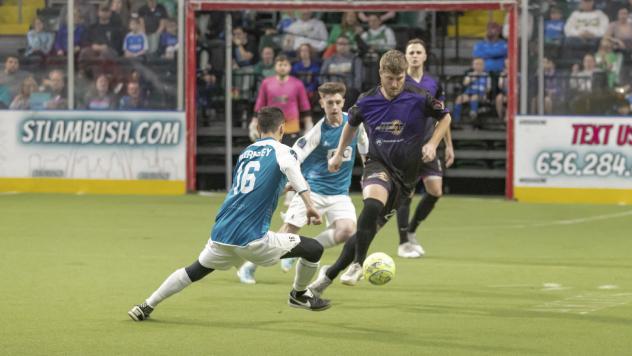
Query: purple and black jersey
428	83
398	128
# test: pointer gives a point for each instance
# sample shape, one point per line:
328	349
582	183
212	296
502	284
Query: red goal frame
363	5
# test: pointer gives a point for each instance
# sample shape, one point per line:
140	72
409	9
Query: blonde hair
394	62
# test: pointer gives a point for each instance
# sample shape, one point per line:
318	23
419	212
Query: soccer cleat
307	301
246	273
286	264
321	283
140	312
407	250
352	275
412	238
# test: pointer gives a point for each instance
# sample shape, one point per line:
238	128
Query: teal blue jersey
317	146
260	175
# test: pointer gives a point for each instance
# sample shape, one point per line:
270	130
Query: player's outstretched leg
176	282
367	228
309	252
405	249
329	273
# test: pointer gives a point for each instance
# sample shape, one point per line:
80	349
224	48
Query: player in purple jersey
401	122
432	172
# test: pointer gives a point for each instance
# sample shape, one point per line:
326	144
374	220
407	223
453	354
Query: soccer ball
379	268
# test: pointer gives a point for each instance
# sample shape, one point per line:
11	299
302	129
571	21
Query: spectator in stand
614	6
21	101
306	30
585	27
552	89
620	31
120	10
99	97
244	59
493	49
554	27
39	42
135	44
477	85
265	67
349	27
582	81
287	19
168	46
153	16
609	61
11	78
133	100
103	39
54	87
345	67
86	9
244	49
61	40
288	94
379	38
307	69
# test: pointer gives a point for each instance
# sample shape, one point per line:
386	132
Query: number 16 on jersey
245	180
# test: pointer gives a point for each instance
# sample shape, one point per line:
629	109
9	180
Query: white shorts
332	207
264	252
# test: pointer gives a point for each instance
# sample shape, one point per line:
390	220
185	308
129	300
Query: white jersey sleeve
291	168
306	144
363	140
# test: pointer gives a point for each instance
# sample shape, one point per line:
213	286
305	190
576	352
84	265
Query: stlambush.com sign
86	151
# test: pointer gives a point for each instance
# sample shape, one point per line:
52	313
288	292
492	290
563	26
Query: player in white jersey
241	227
329	191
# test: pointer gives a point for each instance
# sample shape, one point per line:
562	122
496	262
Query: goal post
193	6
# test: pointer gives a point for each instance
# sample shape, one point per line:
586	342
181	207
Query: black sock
424	208
196	271
367	227
403	213
344	260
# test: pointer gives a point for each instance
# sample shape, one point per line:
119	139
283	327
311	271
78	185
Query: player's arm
449	148
363	143
305	145
348	131
292	170
345	138
435	108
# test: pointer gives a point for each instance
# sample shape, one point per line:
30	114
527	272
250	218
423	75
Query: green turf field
500	278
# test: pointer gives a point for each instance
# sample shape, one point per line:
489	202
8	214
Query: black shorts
376	173
431	169
289	139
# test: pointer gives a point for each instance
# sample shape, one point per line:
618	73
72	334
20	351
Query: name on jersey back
251	154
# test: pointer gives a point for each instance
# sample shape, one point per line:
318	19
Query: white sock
176	282
305	271
326	238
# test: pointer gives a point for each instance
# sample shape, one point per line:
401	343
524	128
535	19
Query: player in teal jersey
329	191
241	227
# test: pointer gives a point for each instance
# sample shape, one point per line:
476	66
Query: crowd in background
125	52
